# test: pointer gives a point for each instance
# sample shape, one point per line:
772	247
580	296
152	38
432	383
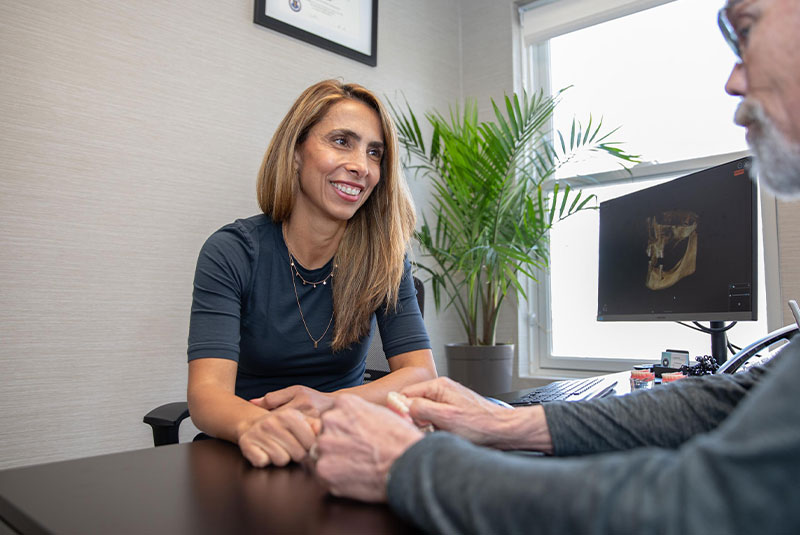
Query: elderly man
717	454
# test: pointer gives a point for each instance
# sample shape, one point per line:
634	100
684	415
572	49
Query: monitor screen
685	250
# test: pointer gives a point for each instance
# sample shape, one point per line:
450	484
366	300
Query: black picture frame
261	18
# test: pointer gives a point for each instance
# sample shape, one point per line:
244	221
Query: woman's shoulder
252	225
250	230
243	236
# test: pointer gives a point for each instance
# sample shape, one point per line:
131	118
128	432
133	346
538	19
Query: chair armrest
371	375
166	420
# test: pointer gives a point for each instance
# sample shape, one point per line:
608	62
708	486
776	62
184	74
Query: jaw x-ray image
671	234
685	249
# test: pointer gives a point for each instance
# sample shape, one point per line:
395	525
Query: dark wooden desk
201	487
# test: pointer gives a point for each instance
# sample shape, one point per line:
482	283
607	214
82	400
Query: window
658	73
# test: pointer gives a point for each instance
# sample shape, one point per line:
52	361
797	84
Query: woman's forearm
377	390
222	414
407	368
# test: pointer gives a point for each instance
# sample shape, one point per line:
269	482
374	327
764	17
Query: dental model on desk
399	404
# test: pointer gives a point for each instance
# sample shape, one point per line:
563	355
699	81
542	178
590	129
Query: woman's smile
348	192
339	162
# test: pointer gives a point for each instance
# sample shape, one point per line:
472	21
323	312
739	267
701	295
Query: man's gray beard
776	160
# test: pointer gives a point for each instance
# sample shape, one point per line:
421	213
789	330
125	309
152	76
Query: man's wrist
523	428
538	432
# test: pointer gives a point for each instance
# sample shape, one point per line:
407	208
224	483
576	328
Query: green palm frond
491	209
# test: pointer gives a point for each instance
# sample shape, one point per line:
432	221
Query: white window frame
540	21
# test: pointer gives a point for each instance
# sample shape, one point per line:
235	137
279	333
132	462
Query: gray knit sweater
717	454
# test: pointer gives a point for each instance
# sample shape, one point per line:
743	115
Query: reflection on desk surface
201	487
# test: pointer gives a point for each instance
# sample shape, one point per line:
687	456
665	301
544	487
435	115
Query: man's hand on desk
452	407
278	437
357	446
360	441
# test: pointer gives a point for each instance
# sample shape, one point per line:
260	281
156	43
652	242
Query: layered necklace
296	275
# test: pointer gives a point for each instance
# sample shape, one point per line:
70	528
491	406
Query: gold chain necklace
295	273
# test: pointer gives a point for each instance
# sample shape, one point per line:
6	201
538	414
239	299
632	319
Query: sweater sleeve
665	416
739	478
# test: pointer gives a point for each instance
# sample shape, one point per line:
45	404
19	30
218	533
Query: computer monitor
684	250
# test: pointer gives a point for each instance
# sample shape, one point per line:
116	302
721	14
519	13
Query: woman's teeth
347	189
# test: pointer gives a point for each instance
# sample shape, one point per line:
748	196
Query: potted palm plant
492	207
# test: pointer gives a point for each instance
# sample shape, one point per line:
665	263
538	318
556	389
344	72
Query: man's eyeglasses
728	32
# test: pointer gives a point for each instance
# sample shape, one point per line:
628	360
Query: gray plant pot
485	369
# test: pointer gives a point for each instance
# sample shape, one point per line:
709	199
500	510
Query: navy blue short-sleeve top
244	309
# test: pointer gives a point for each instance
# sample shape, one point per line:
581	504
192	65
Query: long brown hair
370	255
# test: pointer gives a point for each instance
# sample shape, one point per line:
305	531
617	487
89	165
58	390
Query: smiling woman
340	163
285	301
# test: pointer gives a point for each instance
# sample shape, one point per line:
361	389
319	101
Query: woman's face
339	162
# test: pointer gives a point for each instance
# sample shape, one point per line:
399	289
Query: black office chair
165	420
782	335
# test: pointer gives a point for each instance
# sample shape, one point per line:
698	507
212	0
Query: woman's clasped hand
278	437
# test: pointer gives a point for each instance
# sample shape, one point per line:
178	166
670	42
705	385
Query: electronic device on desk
674	358
684	250
566	390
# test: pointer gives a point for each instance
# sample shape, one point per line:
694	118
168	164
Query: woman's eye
340	141
376	153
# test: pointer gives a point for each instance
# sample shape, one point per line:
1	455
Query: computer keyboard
568	390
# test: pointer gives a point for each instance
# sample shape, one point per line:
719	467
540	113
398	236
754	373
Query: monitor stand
719	341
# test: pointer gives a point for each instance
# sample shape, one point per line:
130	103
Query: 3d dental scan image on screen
683	250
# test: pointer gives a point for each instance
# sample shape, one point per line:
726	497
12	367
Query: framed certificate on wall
346	27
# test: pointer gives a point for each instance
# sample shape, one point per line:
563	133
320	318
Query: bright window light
659	75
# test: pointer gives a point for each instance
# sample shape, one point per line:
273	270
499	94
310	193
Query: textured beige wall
789	251
130	132
489	30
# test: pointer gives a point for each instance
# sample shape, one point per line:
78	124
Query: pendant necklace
296	273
